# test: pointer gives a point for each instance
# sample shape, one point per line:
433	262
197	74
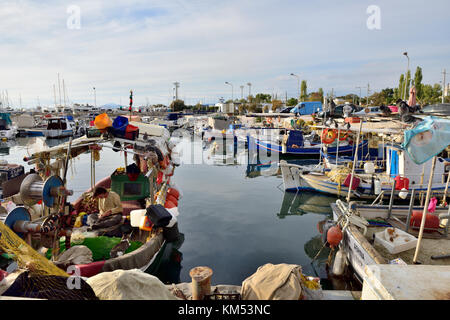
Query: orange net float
334	236
169	204
172	199
174	192
328	136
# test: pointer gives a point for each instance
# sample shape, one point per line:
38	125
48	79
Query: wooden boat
137	191
297	146
58	127
361	250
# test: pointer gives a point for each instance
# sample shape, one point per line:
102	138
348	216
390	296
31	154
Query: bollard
201	282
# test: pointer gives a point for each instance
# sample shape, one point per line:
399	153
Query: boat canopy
6	117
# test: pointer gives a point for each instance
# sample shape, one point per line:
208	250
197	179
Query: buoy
339	263
171	198
174	192
328	136
169	204
334	236
403	194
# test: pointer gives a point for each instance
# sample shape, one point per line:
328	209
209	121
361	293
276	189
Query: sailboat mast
59	87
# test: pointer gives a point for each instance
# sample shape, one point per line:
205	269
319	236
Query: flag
427	139
131	99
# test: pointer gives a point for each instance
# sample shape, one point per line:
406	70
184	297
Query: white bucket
135	217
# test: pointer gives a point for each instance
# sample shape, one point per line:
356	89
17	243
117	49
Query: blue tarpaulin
427	139
308	107
6	117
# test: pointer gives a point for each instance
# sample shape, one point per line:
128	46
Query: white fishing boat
58	127
8	131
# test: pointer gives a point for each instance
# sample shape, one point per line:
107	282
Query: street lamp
226	82
406	76
298	83
249	90
95	98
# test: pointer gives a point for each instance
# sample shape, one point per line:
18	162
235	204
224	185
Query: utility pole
359	95
443	86
177	85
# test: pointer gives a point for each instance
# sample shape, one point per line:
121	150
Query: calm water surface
235	217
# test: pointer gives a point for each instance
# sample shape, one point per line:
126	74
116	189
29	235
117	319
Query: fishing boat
389	173
58	127
57	225
8	131
294	143
366	225
387	246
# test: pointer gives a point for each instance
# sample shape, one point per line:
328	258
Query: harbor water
234	214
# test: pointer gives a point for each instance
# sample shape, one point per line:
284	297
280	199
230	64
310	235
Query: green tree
263	98
292	102
401	87
321	94
303	91
418	82
408	78
177	105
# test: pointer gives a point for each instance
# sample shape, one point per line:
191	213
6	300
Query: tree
276	104
321	94
408	78
418	82
303	91
291	102
401	87
263	98
177	105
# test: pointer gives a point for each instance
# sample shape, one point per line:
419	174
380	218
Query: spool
34	189
16	219
201	282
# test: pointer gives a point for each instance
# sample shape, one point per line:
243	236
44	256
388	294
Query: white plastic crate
398	246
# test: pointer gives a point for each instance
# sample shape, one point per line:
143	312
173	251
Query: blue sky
148	45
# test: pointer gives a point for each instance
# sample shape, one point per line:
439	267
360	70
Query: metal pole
445	191
425	209
355	159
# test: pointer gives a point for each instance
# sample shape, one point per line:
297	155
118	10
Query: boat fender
339	263
169	204
377	186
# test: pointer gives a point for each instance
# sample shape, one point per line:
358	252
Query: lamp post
249	90
95	98
232	98
298	84
406	76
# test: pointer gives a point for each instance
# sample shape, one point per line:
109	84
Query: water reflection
305	202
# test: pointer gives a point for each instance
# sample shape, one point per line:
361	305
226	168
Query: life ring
328	136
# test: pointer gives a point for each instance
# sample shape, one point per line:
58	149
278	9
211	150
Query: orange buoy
169	205
171	198
328	136
334	236
174	192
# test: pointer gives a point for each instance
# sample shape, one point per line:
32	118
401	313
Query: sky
146	46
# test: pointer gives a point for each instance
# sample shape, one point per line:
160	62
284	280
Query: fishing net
42	279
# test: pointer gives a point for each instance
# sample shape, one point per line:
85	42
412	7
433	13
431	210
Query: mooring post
201	282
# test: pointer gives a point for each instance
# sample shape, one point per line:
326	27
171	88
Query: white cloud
147	45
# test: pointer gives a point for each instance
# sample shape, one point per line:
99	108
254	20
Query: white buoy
339	263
